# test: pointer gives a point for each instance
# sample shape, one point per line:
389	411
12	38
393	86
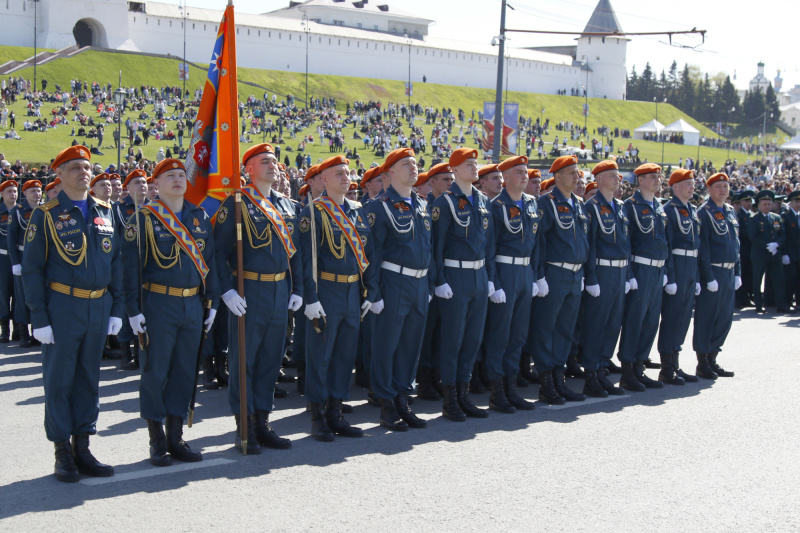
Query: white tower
603	58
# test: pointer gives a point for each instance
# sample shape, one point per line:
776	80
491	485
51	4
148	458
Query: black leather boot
574	369
319	424
510	388
221	369
126	361
450	408
436	380
609	387
547	389
483	374
591	386
176	446
678	372
638	367
362	377
265	434
84	459
301	377
425	388
667	374
4	337
469	408
497	399
613	368
526	370
209	374
721	372
26	341
15	332
475	384
337	423
648	363
158	444
628	380
704	369
389	417
560	382
401	404
65	469
253	447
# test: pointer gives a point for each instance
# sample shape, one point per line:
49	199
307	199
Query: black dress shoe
85	461
65	469
760	310
209	375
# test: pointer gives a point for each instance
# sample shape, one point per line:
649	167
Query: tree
772	105
702	104
753	106
647	84
672	81
684	98
632	89
730	100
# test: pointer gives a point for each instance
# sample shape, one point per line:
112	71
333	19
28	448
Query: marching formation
429	283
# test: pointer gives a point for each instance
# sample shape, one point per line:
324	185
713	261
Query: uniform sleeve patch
130	233
305	224
435	214
31	232
371	219
222	215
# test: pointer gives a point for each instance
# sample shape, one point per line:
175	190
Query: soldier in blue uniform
510	267
20	216
744	296
606	273
767	238
336	247
791	251
720	276
461	236
9	190
683	283
649	254
563	250
176	246
269	258
401	233
73	286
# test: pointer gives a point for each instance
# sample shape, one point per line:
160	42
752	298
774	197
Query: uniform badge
70	245
625	229
541	212
776	225
427	224
371	219
222	214
585	227
195	222
201	244
64	217
72	222
290	227
157	227
31	232
485	223
514	212
363	240
130	233
27	215
462	204
435	214
59	225
535	227
105	244
305	224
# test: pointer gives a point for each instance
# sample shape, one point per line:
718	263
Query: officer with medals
336	247
516	221
606	272
767	237
401	233
20	216
461	237
72	273
683	241
744	295
176	247
9	190
720	276
791	252
563	250
272	274
649	254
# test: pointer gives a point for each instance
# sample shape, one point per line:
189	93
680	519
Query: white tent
691	135
653	126
794	144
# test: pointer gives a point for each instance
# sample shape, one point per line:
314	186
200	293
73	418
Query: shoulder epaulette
50	204
102	203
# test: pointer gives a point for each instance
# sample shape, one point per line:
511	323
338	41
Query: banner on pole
510	128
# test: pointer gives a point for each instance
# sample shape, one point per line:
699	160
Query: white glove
17	269
235	303
583	284
314	310
377	307
365	308
295	302
634	284
543	287
593	290
784	259
737	282
443	291
697	289
491	289
627	287
44	335
671	289
114	325
137	323
712	286
665	281
430	298
212	314
498	296
773	248
534	290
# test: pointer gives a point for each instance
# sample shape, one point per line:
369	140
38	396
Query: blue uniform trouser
463	319
601	318
397	334
299	339
21	313
676	309
174	326
507	323
775	280
6	287
432	339
714	313
264	340
330	355
553	318
217	337
642	312
364	348
71	366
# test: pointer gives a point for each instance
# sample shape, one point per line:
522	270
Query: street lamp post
119	100
184	69
659	133
727	119
764	133
35	36
585	66
408	88
306	29
498	100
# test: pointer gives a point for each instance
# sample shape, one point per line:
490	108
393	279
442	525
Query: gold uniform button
186	292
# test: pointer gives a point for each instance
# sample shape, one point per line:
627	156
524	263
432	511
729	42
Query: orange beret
371	172
262	148
439	169
395	156
114	176
563	162
534	173
546	184
165	166
647	168
282	166
8	183
332	162
99	177
592	185
303	190
488	169
31	184
91	193
719	176
512	162
602	166
353	186
68	154
137	173
422	178
462	154
57	181
50	187
679	175
311	172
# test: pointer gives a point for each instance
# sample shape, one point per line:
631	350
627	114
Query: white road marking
155	471
587	401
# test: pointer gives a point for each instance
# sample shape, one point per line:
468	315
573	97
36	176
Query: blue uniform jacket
719	239
683	231
5	223
609	234
648	228
563	230
792	226
515	231
20	216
